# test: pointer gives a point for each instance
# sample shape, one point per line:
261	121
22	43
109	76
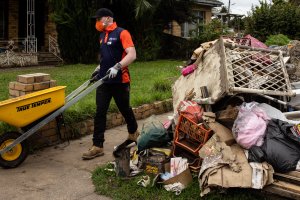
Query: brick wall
176	28
208	16
13	19
207	11
48	135
50	27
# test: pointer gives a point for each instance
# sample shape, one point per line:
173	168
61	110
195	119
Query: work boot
93	153
134	136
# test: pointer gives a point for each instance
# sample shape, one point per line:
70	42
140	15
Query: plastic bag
250	125
153	134
281	148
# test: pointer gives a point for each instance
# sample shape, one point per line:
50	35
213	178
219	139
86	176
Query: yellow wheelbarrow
34	110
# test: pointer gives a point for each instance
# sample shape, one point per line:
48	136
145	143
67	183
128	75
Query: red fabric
260	57
255	42
191	110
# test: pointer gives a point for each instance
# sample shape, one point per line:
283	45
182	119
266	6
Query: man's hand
113	71
94	75
96	71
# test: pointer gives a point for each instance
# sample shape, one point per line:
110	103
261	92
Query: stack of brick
29	83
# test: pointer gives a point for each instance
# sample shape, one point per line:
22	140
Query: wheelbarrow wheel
16	155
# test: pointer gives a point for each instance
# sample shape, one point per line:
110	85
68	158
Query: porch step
47	58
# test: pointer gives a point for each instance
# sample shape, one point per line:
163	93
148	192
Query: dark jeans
120	93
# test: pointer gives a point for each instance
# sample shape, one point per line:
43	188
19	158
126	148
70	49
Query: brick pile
29	83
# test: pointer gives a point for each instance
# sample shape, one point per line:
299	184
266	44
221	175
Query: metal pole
228	12
278	101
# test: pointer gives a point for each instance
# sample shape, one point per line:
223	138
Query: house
25	27
26	18
202	9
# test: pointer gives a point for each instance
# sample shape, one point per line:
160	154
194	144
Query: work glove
113	71
94	75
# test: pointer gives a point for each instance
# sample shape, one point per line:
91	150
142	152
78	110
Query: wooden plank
291	177
282	192
294	173
287	186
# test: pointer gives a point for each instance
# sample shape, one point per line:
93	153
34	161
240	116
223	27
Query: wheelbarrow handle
77	91
82	88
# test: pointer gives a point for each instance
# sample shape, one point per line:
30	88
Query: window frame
186	26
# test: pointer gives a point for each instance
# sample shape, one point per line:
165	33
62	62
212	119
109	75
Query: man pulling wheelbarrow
117	51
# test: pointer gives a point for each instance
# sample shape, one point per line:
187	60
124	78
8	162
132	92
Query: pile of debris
229	124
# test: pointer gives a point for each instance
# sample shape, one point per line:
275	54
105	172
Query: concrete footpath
58	172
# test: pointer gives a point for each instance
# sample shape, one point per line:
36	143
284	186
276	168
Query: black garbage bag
281	148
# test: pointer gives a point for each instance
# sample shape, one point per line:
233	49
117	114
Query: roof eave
216	4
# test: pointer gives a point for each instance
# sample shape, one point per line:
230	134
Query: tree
281	17
75	29
77	36
152	17
295	2
237	23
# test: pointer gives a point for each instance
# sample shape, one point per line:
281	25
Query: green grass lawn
108	184
150	81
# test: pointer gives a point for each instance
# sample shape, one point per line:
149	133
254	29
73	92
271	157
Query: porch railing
23	51
53	47
18	52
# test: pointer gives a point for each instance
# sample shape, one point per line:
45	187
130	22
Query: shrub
279	40
173	47
6	128
211	31
148	48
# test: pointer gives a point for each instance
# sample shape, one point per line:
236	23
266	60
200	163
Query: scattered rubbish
175	187
221	133
145	181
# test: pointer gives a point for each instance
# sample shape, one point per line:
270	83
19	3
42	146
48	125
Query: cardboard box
185	177
225	135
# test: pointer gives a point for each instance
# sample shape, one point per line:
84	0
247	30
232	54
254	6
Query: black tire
20	158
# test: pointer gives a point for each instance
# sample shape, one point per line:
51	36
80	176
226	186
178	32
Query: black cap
103	12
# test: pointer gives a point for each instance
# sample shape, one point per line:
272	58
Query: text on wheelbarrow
33	105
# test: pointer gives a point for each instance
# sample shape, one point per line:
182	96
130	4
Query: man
116	53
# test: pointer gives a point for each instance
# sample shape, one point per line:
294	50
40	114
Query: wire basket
255	70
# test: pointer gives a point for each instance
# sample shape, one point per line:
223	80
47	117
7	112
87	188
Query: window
190	29
3	19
